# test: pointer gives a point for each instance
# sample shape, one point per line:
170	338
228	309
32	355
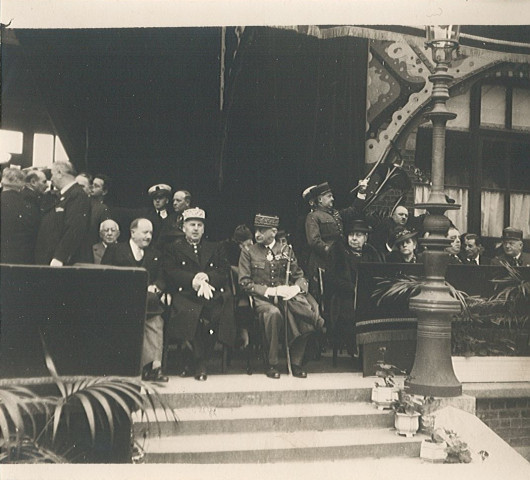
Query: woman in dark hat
404	246
342	279
324	225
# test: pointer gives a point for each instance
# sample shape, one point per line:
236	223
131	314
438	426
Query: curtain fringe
371	34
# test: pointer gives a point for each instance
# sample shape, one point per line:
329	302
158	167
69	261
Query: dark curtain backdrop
142	105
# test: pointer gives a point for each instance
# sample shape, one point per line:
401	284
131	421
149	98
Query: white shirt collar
67	187
138	253
271	245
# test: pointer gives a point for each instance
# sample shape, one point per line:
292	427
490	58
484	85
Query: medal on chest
270	256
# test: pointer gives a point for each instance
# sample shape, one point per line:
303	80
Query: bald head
109	231
13	179
63	173
141	232
36	180
400	215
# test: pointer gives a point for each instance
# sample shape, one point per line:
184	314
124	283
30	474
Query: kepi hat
314	191
266	221
400	235
510	233
159	190
193	214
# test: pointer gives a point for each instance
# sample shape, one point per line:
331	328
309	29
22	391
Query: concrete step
265	418
266	447
241	390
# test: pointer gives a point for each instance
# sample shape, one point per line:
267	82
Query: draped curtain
460	195
492	213
520	212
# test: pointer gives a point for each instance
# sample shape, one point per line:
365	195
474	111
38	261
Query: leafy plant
407	403
457	450
29	423
406	286
387	372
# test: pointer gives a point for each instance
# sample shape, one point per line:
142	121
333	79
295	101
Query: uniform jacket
121	255
171	230
257	271
180	267
324	226
20	218
503	258
63	229
158	222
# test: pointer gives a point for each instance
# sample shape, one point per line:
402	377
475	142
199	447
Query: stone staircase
252	419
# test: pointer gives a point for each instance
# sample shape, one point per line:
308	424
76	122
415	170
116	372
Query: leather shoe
298	371
185	372
201	377
272	372
155	375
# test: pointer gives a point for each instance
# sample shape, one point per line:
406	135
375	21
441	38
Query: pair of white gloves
283	291
202	287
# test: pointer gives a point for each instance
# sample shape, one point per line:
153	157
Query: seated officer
197	272
271	275
512	249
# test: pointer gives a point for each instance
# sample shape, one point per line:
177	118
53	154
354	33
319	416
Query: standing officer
160	195
271	275
198	275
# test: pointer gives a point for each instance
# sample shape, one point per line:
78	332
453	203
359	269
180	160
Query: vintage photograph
269	247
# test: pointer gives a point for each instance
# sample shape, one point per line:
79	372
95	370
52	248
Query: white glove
153	289
363	184
56	263
198	279
287	292
271	292
205	290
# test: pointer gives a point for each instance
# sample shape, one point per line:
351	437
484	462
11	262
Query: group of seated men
60	228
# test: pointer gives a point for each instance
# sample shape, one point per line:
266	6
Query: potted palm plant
74	420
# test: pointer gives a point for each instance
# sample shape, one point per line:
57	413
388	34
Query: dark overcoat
524	260
180	267
121	255
63	229
342	280
20	218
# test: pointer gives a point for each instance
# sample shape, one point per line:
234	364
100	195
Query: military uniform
262	267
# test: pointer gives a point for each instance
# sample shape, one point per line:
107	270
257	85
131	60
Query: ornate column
432	373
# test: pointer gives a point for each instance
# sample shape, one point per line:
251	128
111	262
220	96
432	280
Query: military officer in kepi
270	274
202	311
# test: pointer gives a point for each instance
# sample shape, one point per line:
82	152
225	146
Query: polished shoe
185	372
272	372
201	377
155	375
298	372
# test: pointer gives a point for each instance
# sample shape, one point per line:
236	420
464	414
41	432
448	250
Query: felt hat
357	226
160	190
510	233
266	221
193	214
399	235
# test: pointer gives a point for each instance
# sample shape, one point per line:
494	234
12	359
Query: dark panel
91	320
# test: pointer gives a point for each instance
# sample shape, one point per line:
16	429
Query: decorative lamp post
432	373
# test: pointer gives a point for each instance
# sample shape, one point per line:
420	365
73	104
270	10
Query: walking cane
286	320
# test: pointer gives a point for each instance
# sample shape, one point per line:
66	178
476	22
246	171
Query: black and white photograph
258	239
